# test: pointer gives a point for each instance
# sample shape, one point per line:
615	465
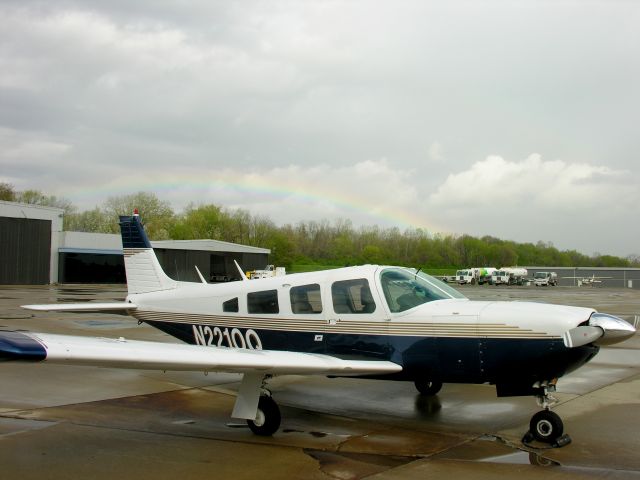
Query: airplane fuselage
454	340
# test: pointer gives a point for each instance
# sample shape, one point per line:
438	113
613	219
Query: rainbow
227	184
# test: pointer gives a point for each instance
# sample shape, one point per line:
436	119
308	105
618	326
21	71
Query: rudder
144	273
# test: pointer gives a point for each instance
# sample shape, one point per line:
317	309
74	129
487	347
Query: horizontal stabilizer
121	353
82	307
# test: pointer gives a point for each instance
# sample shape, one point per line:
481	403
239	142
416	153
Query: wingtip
17	346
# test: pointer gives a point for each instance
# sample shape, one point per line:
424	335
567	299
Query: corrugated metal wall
179	264
25	251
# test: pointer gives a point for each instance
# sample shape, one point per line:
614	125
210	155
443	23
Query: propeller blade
576	337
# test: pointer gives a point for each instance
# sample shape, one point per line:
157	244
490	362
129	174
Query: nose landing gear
547	426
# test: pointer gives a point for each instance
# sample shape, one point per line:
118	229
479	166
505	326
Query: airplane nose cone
615	329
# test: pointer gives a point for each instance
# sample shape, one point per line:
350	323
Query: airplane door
356	325
459	346
309	311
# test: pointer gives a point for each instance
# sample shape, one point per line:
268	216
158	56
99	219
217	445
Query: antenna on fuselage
417	272
242	275
200	275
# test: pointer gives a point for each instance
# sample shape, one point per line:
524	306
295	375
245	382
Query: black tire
268	418
546	426
427	386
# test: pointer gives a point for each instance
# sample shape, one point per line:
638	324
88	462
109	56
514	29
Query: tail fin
144	273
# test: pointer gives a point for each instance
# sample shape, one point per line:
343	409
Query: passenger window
306	299
263	302
352	296
230	305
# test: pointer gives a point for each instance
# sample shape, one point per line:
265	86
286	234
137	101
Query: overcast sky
518	119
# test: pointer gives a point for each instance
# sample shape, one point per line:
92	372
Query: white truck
479	275
269	271
509	276
545	279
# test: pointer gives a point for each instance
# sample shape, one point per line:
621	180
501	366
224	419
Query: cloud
533	182
323	109
18	146
575	205
436	152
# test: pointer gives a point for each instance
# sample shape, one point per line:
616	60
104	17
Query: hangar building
28	235
35	251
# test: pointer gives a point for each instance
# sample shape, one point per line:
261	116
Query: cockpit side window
404	289
352	296
305	299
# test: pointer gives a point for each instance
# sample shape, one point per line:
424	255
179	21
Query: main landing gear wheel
428	387
546	426
267	420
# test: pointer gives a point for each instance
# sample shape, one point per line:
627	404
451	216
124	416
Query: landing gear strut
255	405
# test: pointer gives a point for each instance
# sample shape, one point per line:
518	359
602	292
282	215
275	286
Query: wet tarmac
60	422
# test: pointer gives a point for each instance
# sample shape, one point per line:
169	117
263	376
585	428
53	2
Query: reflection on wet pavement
94	422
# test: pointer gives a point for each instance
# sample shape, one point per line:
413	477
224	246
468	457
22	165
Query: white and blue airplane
371	321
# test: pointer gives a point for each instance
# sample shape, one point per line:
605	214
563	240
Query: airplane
589	281
370	321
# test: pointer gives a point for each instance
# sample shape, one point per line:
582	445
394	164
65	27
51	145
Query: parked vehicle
544	279
269	271
510	276
479	275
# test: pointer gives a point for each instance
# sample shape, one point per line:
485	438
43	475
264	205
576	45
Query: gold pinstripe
394	328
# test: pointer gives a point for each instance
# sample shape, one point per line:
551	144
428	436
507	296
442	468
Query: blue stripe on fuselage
451	360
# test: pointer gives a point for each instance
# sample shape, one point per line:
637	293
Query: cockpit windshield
406	288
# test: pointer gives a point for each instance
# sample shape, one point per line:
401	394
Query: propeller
602	329
579	336
615	329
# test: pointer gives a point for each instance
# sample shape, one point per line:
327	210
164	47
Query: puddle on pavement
491	449
522	458
14	426
16	316
354	466
313	434
102	323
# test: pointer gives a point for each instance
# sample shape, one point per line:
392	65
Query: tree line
313	243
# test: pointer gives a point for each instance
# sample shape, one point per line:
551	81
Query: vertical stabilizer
144	273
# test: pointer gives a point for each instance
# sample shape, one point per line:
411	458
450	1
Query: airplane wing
121	353
83	307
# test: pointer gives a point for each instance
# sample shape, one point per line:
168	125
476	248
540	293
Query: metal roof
208	245
105	243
